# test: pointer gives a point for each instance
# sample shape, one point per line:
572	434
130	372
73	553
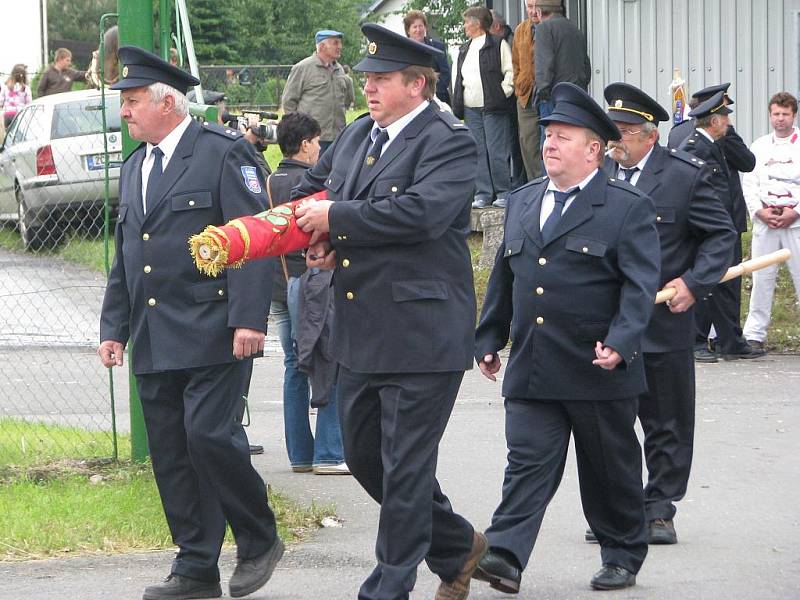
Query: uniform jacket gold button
394	188
152	302
221	292
346	263
585	249
540	320
539	291
543	261
145	236
350	295
147	269
658	219
191	202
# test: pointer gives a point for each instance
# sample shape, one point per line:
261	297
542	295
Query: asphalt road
738	526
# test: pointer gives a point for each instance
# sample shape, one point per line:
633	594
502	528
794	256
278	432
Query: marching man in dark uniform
722	307
400	185
194	337
574	282
696	236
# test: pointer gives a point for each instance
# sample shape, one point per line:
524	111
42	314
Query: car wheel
34	237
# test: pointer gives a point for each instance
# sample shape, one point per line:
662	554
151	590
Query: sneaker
340	469
480	203
301	468
499	203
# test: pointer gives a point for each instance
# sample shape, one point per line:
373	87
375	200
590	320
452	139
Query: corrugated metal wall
752	43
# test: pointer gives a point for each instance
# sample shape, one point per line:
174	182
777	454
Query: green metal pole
164	27
135	28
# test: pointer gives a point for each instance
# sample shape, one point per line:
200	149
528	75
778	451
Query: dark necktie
550	224
374	152
627	174
155	176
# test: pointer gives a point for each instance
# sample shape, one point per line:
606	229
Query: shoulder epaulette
451	120
226	132
687	157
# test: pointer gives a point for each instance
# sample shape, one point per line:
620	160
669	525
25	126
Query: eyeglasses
629	132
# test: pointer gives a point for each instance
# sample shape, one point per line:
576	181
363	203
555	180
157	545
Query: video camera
255	122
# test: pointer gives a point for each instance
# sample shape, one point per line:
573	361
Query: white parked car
52	165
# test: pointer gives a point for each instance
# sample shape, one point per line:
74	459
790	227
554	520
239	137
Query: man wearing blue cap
573	284
696	236
400	185
318	86
194	338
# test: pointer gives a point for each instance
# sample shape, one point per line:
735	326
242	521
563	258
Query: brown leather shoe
458	589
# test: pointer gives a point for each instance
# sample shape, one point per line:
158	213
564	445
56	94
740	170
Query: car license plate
95	162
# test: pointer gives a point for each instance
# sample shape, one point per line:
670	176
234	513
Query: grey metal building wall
752	43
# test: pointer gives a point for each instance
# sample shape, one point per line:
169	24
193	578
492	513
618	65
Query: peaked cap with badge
388	51
629	104
574	106
143	68
715	105
711	90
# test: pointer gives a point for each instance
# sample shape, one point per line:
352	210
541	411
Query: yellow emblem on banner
372	48
618	103
124	71
370	161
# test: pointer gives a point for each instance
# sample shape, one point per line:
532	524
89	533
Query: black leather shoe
251	574
589	536
745	351
704	355
612	577
661	531
178	587
499	572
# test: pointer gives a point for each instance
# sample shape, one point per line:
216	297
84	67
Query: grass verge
52	506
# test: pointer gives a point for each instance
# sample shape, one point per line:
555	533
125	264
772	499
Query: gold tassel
209	252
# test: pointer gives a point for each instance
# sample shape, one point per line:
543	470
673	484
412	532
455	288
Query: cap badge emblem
618	104
372	48
125	71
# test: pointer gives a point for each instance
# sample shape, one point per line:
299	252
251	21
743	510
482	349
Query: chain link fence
55	398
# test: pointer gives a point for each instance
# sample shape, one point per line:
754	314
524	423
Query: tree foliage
216	31
77	20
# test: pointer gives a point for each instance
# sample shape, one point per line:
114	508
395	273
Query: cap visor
126	84
570	120
370	64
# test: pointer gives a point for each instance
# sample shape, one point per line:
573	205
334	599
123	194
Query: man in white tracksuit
772	193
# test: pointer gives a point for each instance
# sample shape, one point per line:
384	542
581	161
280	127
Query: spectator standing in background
318	85
560	54
60	76
522	58
501	29
15	94
772	192
482	97
416	25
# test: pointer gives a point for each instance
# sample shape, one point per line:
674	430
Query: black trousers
609	473
391	428
666	412
723	309
201	462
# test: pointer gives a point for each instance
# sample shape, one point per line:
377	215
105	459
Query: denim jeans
492	134
325	447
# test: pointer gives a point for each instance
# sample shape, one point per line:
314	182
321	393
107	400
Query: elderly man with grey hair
195	338
319	86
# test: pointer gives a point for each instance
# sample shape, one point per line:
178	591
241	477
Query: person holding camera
298	139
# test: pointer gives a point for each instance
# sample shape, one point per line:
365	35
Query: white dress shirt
395	128
167	146
636	174
549	199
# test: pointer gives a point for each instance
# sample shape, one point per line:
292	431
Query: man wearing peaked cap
195	338
399	185
573	286
715	142
319	86
696	236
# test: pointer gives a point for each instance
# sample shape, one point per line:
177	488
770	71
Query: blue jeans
325	448
492	134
